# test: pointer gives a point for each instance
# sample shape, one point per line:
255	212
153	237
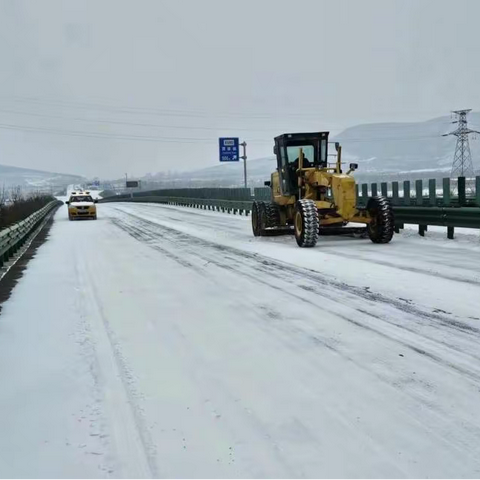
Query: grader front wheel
382	224
306	223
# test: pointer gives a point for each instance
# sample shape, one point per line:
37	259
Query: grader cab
313	196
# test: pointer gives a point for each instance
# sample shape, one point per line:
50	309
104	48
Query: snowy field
165	341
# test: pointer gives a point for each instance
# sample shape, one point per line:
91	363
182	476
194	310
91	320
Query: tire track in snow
426	345
115	380
300	284
199	218
156	230
407	268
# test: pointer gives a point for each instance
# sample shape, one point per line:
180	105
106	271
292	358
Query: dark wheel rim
298	223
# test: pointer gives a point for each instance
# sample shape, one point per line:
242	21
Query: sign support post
130	184
244	158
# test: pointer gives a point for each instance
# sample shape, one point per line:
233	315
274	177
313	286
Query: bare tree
3	196
16	194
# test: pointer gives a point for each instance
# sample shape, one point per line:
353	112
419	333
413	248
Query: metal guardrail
229	206
14	237
461	211
450	217
465	217
234	194
426	194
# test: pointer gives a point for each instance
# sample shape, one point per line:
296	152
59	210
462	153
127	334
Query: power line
156	125
181	112
157	111
160	139
137	124
113	136
395	139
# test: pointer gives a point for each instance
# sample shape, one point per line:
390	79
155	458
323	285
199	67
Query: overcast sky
104	87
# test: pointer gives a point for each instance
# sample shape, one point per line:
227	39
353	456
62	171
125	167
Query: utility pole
462	160
244	158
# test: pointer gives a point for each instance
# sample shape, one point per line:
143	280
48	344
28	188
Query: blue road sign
228	149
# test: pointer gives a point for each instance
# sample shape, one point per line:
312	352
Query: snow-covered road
168	342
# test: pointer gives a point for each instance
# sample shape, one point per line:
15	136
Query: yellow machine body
334	193
312	196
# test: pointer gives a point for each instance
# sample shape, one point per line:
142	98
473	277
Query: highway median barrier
421	204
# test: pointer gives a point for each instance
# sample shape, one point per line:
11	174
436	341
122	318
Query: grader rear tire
382	225
306	223
272	212
259	218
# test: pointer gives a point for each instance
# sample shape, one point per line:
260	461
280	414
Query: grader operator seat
287	147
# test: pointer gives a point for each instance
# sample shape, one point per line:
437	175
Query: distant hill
221	175
396	148
35	179
383	151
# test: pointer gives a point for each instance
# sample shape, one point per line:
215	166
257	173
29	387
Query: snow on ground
167	341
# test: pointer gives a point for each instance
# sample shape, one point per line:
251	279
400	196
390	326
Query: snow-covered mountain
406	147
35	179
382	150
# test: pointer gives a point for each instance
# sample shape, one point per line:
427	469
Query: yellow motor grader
314	197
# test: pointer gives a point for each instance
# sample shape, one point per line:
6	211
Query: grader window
308	155
323	152
284	174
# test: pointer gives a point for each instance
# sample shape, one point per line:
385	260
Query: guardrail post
418	193
432	192
374	190
450	232
461	191
406	192
365	193
395	193
447	198
384	189
422	229
419	202
477	191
